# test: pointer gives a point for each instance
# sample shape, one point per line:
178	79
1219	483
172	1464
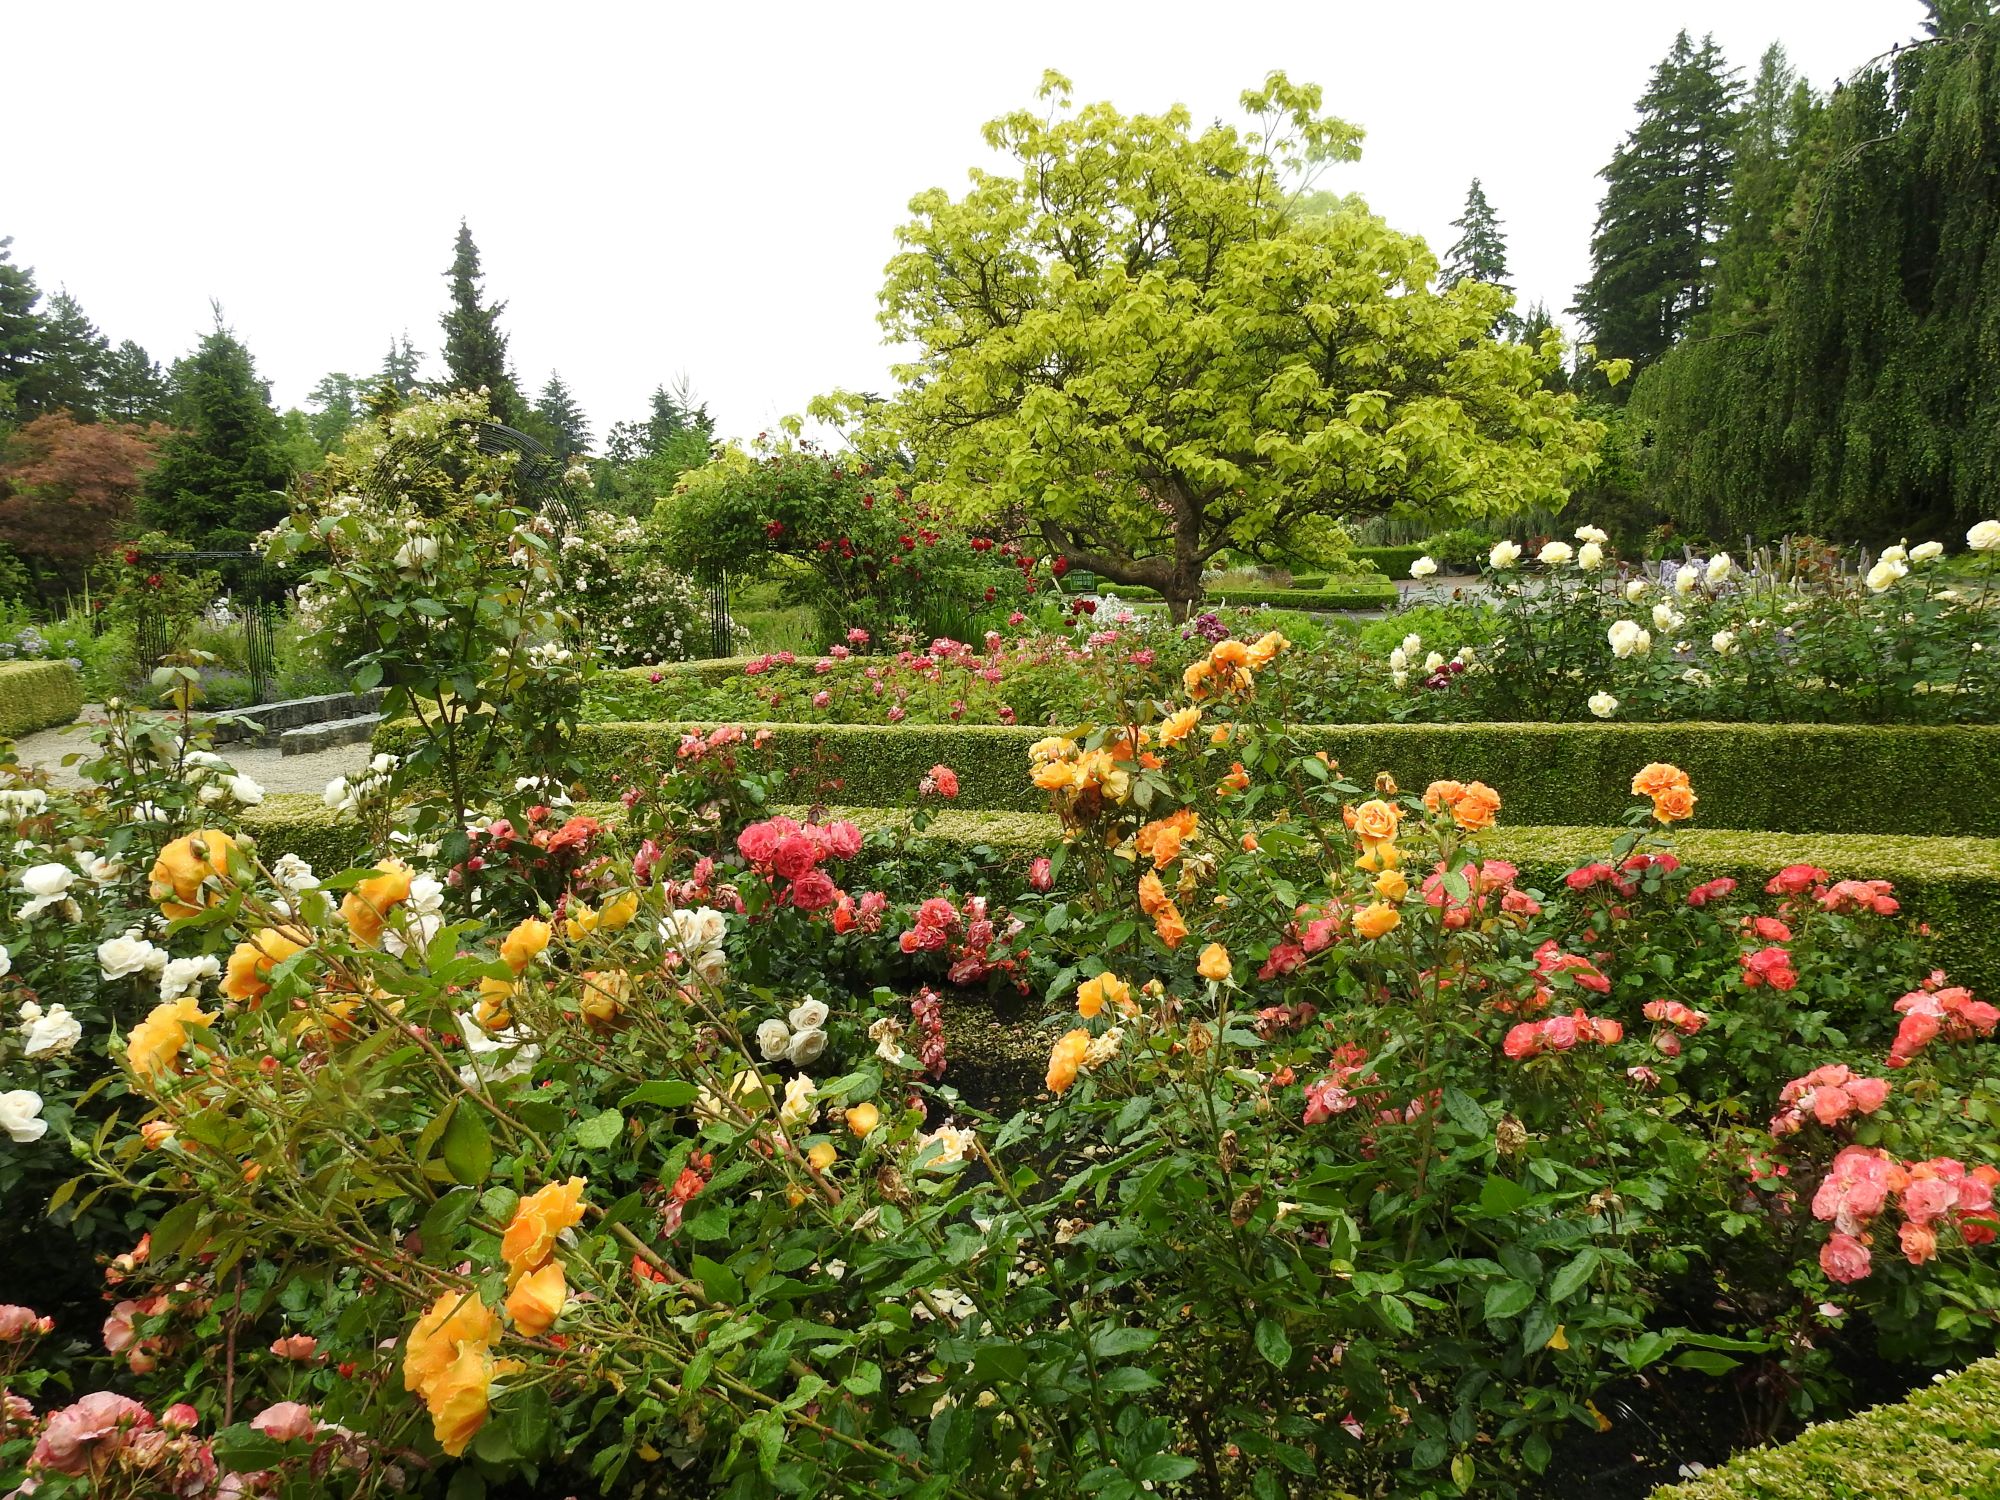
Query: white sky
714	188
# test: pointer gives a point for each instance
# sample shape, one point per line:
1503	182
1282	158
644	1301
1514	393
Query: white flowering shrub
631	608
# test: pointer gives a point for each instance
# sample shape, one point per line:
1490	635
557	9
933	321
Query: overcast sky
664	187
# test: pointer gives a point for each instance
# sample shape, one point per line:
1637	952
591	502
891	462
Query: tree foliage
1138	339
564	427
66	489
475	350
134	388
20	325
1480	252
1867	403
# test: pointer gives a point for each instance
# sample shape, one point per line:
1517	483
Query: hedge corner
38	695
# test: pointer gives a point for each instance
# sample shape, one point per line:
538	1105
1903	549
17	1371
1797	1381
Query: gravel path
271	769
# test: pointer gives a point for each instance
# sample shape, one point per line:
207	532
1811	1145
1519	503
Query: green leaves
466	1146
671	1093
599	1130
1272	1343
1507	1299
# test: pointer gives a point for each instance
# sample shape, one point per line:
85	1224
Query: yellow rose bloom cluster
1230	667
449	1362
156	1043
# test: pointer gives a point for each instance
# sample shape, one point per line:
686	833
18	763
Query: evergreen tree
475	350
219	479
20	327
567	427
1771	153
135	388
338	405
1949	17
1481	251
1665	203
401	367
70	363
674	413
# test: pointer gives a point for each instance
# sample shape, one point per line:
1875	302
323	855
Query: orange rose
537	1301
1229	654
863	1118
1194	681
156	1043
1472	805
1376	821
530	1237
1214	963
1168	924
1264	648
1235	781
458	1400
178	874
1066	1058
1160	840
1250	844
1179	725
1152	894
1657	778
1674	804
1099	991
1376	919
250	965
457	1320
370	901
519	947
1054	776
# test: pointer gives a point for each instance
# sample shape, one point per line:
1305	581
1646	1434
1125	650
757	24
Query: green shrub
1339	594
1394	562
1943	1441
38	695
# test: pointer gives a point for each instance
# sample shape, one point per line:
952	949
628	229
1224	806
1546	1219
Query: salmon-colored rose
249	974
519	947
530	1236
1066	1058
1167	922
863	1118
371	900
1214	963
537	1299
1376	919
156	1043
1179	725
177	875
1160	840
1675	804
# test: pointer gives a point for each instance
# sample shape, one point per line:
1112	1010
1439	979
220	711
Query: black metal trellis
720	637
257	600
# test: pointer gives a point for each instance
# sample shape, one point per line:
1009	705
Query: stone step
274	719
327	736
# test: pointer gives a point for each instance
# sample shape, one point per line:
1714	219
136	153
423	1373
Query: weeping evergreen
1865	402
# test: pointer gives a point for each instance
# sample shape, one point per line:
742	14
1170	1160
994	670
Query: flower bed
38	695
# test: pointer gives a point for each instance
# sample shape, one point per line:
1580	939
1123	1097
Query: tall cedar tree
70	362
1481	251
220	477
475	350
20	327
1765	213
565	428
1665	202
135	387
401	368
66	488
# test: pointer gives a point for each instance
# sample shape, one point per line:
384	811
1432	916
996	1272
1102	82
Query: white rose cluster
799	1038
48	1033
696	933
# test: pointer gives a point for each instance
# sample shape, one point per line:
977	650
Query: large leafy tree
1666	199
221	476
1142	339
66	487
475	350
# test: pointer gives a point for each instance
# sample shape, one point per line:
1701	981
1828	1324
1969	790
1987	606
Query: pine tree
69	367
1771	154
1665	203
135	388
401	368
475	350
219	479
1481	251
674	413
20	327
1950	17
338	405
567	427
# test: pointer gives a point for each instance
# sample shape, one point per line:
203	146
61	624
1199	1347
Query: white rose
712	966
1635	591
244	790
1434	661
1603	705
335	796
798	1105
1884	574
1505	554
1897	553
1423	567
1923	552
296	876
6	963
806	1047
1399	659
1592	535
183	976
52	1034
1684	579
1984	537
1664	617
1467	656
1590	557
131	954
1723	642
1412	644
1628	640
773	1038
1399	679
809	1015
1555	554
1719	567
20	1116
417	552
47	880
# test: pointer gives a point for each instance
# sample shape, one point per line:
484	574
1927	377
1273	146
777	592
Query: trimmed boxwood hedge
1943	1441
1393	561
38	695
1951	883
1345	594
1780	778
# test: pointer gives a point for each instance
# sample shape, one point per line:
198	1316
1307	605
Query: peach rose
370	901
538	1299
863	1118
1675	804
530	1236
1214	963
1376	919
1066	1058
1656	778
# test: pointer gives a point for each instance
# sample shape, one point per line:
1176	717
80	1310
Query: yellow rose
530	1236
456	1320
519	947
822	1156
1376	919
177	875
155	1045
1214	963
1391	886
250	965
579	922
863	1118
605	995
1376	821
458	1400
1102	990
1055	776
538	1299
370	901
618	912
1066	1058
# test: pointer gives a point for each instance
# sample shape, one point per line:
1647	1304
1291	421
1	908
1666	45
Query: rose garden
1139	991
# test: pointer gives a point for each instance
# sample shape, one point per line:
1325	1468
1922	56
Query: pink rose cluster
1938	1010
1334	1094
1830	1095
1624	878
1560	1034
695	746
780	849
1941	1193
1551	962
1487	884
1311	930
1675	1021
115	1443
864	915
973	943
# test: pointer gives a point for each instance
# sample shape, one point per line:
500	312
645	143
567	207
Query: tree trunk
1177	579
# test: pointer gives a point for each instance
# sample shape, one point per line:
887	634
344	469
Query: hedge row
1944	1440
38	695
1781	778
1345	594
1393	561
1951	883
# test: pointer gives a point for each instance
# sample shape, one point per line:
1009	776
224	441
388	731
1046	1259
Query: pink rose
180	1417
18	1322
793	856
814	891
1927	1198
1919	1242
285	1421
843	839
300	1346
1041	874
1844	1258
69	1435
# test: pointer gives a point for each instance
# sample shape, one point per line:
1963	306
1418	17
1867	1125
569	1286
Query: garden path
270	769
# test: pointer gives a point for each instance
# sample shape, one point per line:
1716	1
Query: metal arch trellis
263	590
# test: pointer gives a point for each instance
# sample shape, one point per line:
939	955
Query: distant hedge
1344	594
1393	561
1943	1441
38	695
1781	778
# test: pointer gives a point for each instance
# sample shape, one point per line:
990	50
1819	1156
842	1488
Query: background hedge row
1347	594
1780	778
1943	1442
1393	561
38	695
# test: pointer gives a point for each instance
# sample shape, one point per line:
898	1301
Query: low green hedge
1393	561
1781	778
1943	1442
38	695
1344	594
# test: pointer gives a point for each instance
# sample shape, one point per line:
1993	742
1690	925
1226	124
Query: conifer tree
69	365
567	428
401	367
135	388
1480	253
339	404
220	478
1771	153
475	350
20	327
1665	203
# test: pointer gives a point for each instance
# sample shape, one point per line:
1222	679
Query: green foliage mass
37	695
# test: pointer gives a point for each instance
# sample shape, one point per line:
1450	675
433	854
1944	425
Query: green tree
1135	340
401	368
1944	18
339	405
135	387
475	350
643	461
69	364
1480	253
20	327
220	478
1772	150
1665	203
567	428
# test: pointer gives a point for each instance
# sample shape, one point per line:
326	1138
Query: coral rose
1066	1057
1844	1258
538	1299
177	875
1473	805
1214	963
530	1236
